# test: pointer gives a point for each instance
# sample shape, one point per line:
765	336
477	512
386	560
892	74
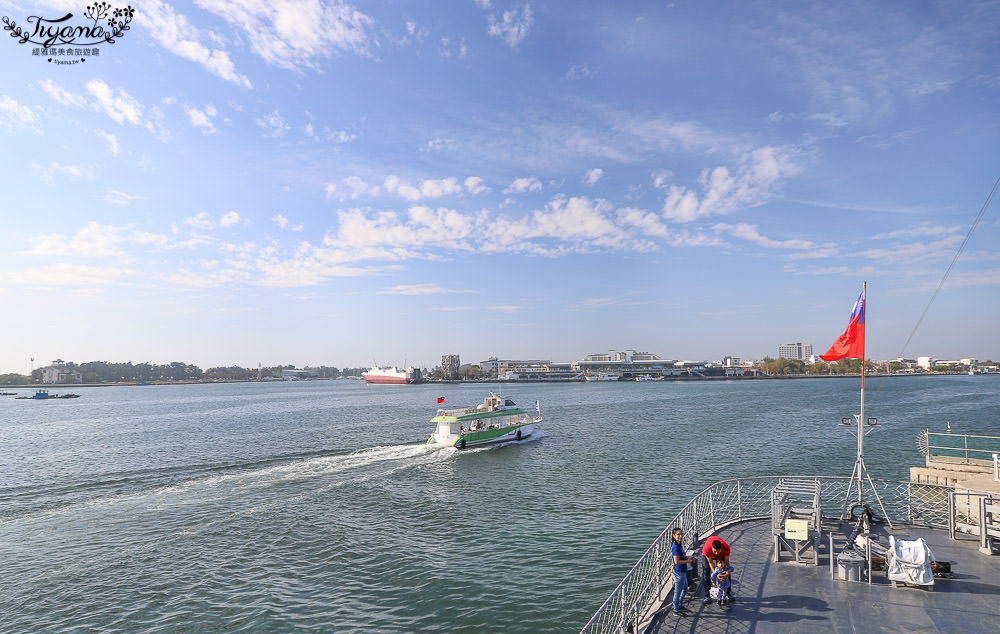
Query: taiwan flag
440	400
851	344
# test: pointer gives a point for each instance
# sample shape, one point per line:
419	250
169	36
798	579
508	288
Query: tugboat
43	395
496	419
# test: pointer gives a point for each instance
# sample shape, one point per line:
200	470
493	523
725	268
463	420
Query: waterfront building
59	372
796	351
451	366
629	364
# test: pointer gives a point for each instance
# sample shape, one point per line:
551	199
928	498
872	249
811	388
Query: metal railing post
984	538
951	514
739	493
832	576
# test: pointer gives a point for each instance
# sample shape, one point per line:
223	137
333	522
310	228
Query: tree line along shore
109	373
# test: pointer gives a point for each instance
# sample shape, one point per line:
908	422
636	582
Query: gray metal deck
797	597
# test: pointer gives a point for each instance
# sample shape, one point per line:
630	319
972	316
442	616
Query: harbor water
316	506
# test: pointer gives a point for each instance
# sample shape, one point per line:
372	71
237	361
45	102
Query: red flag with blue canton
851	344
440	399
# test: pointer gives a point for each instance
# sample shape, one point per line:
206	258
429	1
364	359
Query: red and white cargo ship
391	375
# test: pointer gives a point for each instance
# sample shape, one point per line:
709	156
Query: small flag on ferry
851	344
440	400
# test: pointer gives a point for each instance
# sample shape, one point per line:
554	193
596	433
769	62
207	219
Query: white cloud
750	233
920	230
915	252
200	221
274	124
593	176
120	107
177	35
145	238
513	26
521	185
581	71
111	139
419	289
339	136
53	169
119	198
510	308
62	96
202	118
66	274
14	113
230	219
648	223
280	220
724	191
437	145
94	240
474	185
293	33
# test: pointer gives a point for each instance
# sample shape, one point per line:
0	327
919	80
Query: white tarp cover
909	561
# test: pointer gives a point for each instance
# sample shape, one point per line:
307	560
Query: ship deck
800	597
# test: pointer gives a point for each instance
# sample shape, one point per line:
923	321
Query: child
721	580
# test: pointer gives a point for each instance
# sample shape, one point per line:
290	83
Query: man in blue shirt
680	571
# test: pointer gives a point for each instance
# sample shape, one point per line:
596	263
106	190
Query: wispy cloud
116	197
502	308
522	185
724	190
61	95
273	124
13	114
512	26
294	33
202	118
94	240
751	233
420	289
178	36
71	275
119	105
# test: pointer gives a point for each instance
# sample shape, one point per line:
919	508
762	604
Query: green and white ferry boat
496	419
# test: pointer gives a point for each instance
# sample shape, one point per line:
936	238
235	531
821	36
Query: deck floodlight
873	421
845	421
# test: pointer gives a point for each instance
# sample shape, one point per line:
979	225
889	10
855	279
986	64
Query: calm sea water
317	507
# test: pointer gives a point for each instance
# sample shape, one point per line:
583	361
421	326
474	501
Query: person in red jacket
714	550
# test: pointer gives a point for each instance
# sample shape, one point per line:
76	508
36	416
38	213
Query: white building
797	351
59	372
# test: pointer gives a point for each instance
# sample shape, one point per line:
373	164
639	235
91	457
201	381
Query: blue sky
307	182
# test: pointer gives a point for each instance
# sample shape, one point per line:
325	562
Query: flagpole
861	419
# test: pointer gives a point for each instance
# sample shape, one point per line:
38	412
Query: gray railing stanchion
951	515
739	500
909	503
868	556
832	575
984	538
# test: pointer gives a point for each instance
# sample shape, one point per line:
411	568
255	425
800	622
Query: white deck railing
742	499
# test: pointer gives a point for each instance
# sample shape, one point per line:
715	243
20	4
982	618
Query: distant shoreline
38	386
